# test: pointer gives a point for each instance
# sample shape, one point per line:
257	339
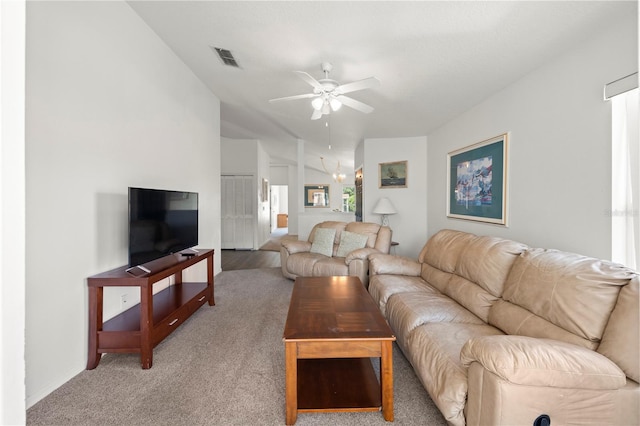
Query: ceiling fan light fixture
328	95
317	103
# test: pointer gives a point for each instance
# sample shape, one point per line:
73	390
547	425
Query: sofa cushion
406	311
574	292
350	241
621	338
471	296
443	249
434	352
381	287
323	241
487	261
516	320
435	277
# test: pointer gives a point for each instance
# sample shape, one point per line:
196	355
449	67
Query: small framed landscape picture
477	181
392	175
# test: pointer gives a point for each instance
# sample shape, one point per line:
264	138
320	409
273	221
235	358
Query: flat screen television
161	222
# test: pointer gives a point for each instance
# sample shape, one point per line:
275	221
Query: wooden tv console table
140	328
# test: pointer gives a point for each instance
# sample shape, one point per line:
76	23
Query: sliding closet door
237	212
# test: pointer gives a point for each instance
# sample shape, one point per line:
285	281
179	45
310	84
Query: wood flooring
249	259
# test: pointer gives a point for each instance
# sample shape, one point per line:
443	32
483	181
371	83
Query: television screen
160	223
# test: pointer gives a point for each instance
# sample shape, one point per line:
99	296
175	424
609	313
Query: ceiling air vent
226	57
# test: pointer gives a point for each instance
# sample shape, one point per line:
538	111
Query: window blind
621	85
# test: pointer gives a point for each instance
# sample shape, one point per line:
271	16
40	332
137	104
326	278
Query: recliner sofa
500	333
298	258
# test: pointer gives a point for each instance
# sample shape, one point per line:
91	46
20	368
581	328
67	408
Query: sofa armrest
381	264
543	362
296	246
362	254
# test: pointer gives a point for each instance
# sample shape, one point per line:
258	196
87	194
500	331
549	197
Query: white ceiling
434	59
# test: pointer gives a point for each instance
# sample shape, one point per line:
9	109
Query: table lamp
385	208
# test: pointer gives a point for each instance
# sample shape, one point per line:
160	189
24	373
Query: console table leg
95	325
386	380
210	282
146	324
291	382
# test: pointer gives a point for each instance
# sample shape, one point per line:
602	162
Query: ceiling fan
328	94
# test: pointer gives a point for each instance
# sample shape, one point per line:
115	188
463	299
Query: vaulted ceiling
434	59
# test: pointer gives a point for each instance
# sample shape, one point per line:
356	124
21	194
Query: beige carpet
277	237
224	366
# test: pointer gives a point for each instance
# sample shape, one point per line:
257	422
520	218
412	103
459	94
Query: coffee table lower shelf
337	385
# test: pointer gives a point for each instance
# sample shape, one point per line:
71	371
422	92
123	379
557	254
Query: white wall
12	213
409	225
240	156
294	199
109	105
560	148
279	174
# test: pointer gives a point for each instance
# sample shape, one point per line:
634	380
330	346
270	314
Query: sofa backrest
468	268
378	237
540	293
338	226
559	295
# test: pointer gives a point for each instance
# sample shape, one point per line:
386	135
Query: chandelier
338	176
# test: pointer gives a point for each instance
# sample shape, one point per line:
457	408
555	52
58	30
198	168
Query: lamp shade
384	206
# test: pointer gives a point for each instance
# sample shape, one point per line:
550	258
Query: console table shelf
140	328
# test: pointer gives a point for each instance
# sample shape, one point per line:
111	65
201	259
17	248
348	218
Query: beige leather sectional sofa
500	333
298	258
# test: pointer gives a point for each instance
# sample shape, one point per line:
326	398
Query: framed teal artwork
477	181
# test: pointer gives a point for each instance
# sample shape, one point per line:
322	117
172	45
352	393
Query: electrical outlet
123	302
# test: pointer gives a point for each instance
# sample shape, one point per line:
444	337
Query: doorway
279	208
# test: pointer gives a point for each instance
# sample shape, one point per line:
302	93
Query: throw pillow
350	241
323	241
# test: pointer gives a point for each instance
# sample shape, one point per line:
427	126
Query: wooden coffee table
333	329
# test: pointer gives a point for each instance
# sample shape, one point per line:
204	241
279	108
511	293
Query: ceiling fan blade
316	114
357	105
356	85
312	81
291	98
